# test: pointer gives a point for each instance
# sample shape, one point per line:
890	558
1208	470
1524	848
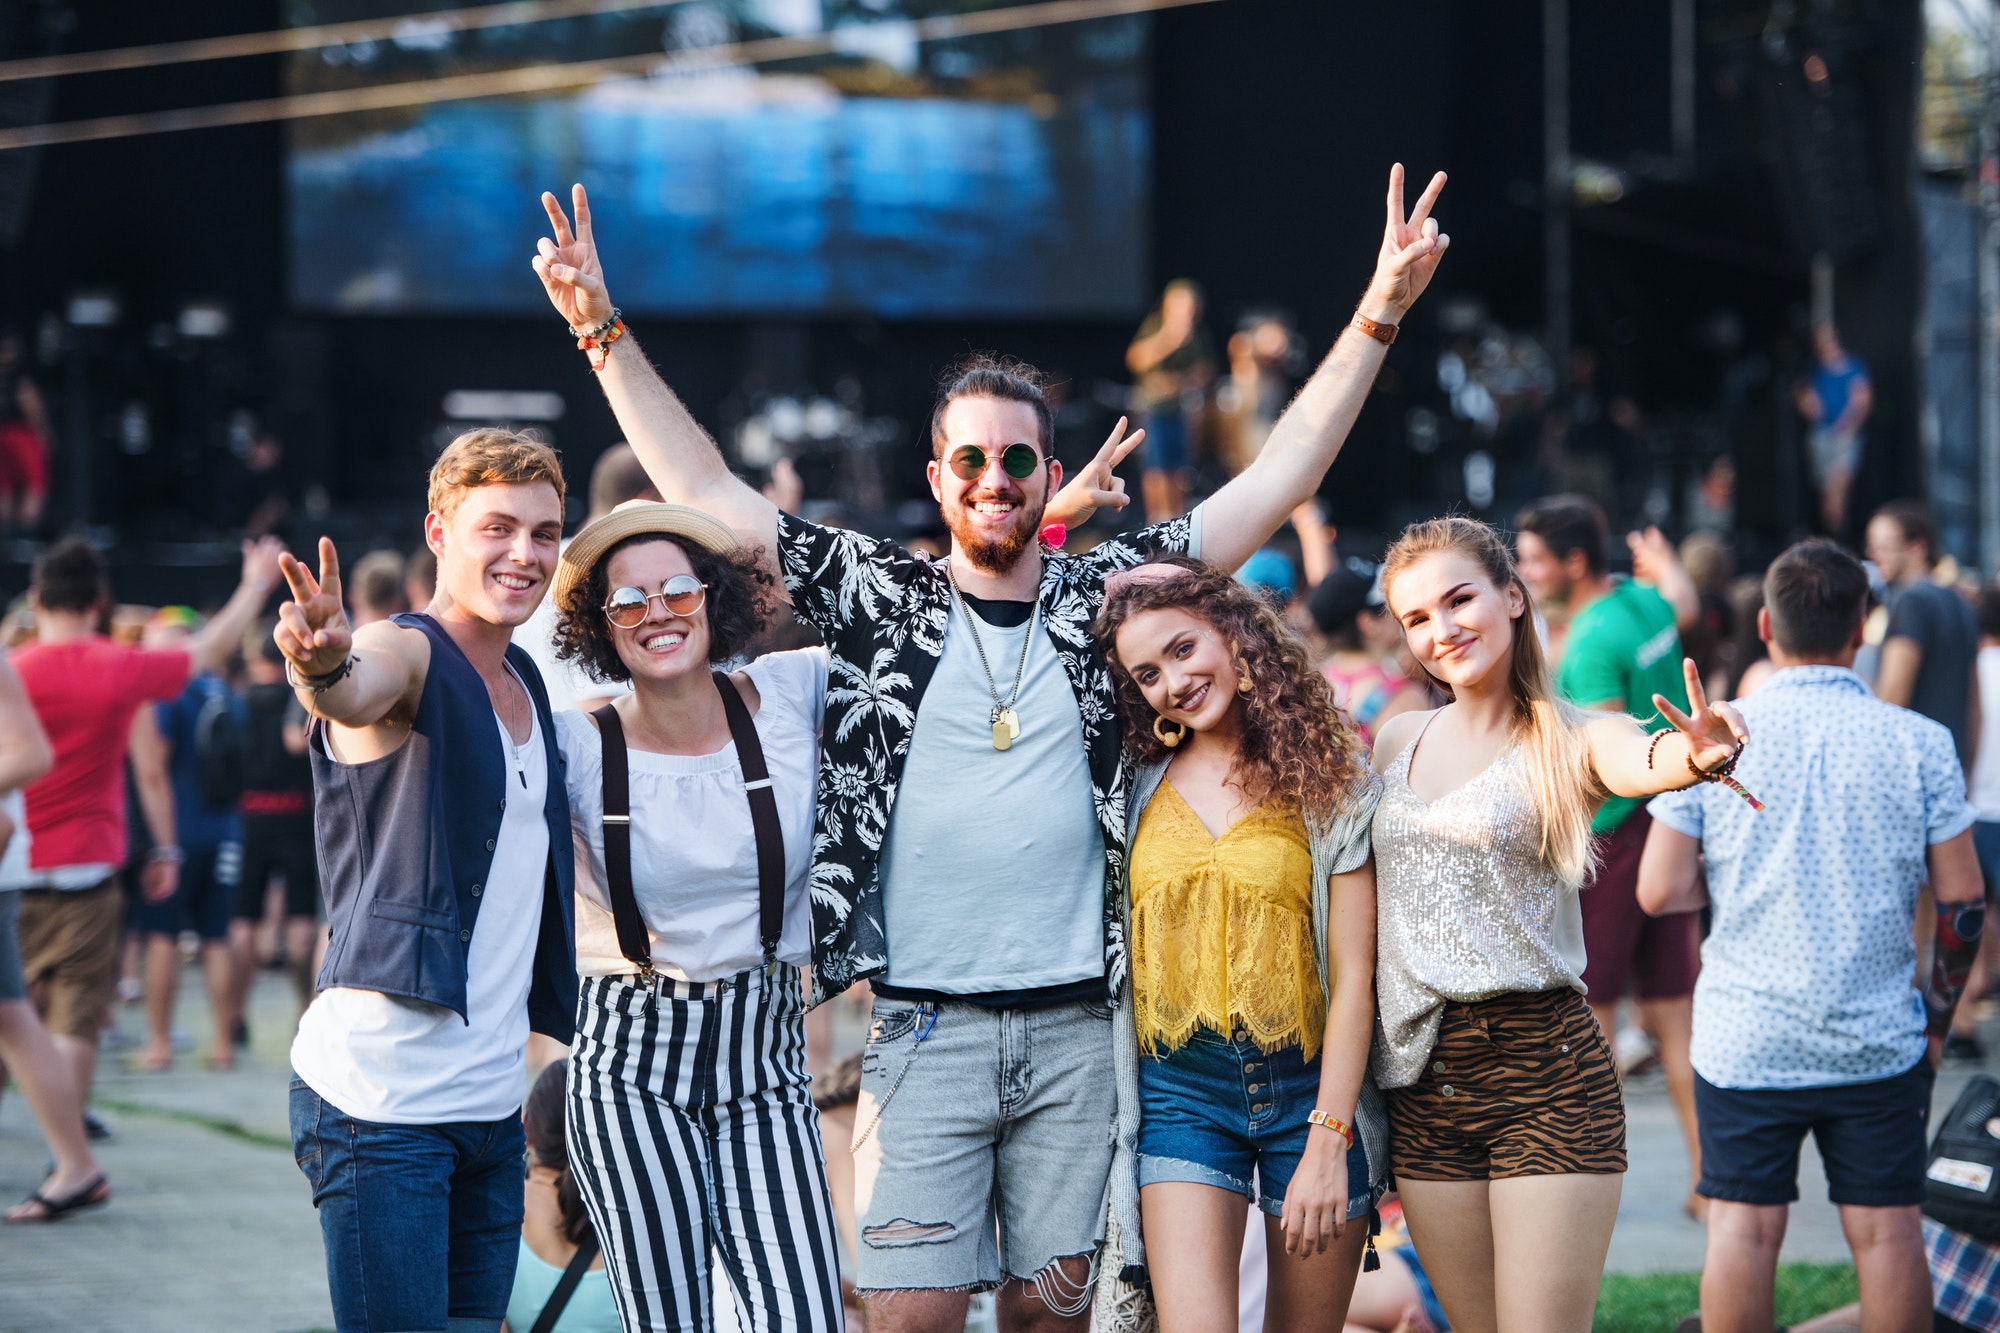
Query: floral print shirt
883	611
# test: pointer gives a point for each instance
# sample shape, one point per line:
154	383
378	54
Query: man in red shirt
86	689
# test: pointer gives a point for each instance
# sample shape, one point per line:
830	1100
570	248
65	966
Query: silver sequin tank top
1466	908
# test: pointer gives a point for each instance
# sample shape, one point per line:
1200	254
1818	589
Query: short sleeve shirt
1940	622
1623	646
1806	976
86	693
199	824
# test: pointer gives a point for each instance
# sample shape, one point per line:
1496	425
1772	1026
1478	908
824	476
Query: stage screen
1000	174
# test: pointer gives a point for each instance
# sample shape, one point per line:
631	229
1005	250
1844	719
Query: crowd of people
1183	887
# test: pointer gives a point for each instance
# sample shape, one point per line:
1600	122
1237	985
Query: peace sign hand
313	632
1411	249
1095	486
568	265
1714	731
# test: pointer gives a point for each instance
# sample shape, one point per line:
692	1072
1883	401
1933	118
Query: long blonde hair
1561	778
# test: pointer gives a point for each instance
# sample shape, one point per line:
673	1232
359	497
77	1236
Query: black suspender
633	939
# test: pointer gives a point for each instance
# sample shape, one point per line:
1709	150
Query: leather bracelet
1381	333
319	684
1338	1126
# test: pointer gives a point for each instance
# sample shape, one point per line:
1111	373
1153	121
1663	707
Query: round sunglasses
968	462
682	595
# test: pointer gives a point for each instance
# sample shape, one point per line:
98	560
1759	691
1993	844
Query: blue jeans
422	1223
1986	845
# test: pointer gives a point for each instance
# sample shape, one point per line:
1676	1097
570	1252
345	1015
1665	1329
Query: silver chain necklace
1005	721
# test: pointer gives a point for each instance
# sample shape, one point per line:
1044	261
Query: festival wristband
1338	1126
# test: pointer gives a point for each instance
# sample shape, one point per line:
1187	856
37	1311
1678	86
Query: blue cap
1270	569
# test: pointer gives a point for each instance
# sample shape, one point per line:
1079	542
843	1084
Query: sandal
89	1196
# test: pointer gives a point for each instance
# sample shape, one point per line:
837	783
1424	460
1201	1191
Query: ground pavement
211	1227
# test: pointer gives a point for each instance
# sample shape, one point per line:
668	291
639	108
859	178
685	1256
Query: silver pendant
1013	722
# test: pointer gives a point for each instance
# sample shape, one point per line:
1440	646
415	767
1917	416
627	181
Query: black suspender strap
763	817
633	941
566	1286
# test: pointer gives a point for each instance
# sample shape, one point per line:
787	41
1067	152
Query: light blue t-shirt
591	1308
993	866
1806	975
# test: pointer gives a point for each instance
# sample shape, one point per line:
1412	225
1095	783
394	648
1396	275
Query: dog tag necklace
1005	721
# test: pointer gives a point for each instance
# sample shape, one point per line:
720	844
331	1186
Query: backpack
1964	1170
219	745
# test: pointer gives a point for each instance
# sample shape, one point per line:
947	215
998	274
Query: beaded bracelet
1722	775
598	346
597	332
1653	746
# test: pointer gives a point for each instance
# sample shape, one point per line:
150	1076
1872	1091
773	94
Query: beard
990	553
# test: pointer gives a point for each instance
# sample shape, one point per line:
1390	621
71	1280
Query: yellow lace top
1222	928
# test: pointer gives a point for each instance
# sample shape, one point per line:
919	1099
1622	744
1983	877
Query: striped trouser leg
773	1211
692	1129
640	1159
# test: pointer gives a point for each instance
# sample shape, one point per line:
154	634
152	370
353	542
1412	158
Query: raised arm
1630	762
355	680
209	647
1241	516
1655	561
679	456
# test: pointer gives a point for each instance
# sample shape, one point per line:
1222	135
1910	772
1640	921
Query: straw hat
632	519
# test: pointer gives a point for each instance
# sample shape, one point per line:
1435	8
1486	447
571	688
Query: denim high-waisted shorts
1218	1111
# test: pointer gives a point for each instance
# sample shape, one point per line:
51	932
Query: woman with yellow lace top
1251	911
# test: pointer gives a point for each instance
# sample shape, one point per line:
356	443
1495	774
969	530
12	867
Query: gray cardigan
1346	832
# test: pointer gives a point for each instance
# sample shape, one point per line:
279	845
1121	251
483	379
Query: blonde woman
1251	905
1507	1129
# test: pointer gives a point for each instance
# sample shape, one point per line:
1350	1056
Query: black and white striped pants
692	1131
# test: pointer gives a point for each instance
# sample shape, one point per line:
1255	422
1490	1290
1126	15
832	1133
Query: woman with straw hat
692	1129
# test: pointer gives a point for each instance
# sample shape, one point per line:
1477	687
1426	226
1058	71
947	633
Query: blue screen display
1001	174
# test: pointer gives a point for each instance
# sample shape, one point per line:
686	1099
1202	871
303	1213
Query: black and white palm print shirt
883	611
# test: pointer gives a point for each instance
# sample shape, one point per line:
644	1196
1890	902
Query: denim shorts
987	1145
13	984
1218	1111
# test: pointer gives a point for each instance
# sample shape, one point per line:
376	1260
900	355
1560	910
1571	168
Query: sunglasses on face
682	595
968	462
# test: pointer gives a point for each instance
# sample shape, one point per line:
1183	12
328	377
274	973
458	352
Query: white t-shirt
694	854
1985	791
566	682
400	1061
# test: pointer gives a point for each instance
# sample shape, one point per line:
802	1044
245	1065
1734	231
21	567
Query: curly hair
1295	745
741	593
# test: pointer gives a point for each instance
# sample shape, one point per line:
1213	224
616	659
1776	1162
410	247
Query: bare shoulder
1397	734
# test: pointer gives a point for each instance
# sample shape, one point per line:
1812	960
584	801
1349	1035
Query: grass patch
1656	1302
209	1122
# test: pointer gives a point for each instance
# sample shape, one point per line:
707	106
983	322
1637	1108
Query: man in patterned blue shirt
1804	1016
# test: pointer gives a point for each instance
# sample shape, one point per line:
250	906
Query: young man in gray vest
970	829
444	843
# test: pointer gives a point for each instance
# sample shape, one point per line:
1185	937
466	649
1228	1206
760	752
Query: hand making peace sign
1096	485
312	631
1411	249
568	265
1713	731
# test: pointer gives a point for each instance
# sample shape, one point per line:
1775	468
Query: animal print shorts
1519	1085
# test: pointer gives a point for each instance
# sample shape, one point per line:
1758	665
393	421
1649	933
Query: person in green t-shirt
1623	647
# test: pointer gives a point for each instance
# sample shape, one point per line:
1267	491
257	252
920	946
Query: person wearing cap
1364	645
443	831
969	836
692	1126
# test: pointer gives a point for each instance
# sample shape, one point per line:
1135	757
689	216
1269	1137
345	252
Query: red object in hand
1054	535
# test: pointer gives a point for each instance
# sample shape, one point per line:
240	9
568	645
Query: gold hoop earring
1162	737
1243	682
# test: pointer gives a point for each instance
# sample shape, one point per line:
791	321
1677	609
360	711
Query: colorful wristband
1338	1126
